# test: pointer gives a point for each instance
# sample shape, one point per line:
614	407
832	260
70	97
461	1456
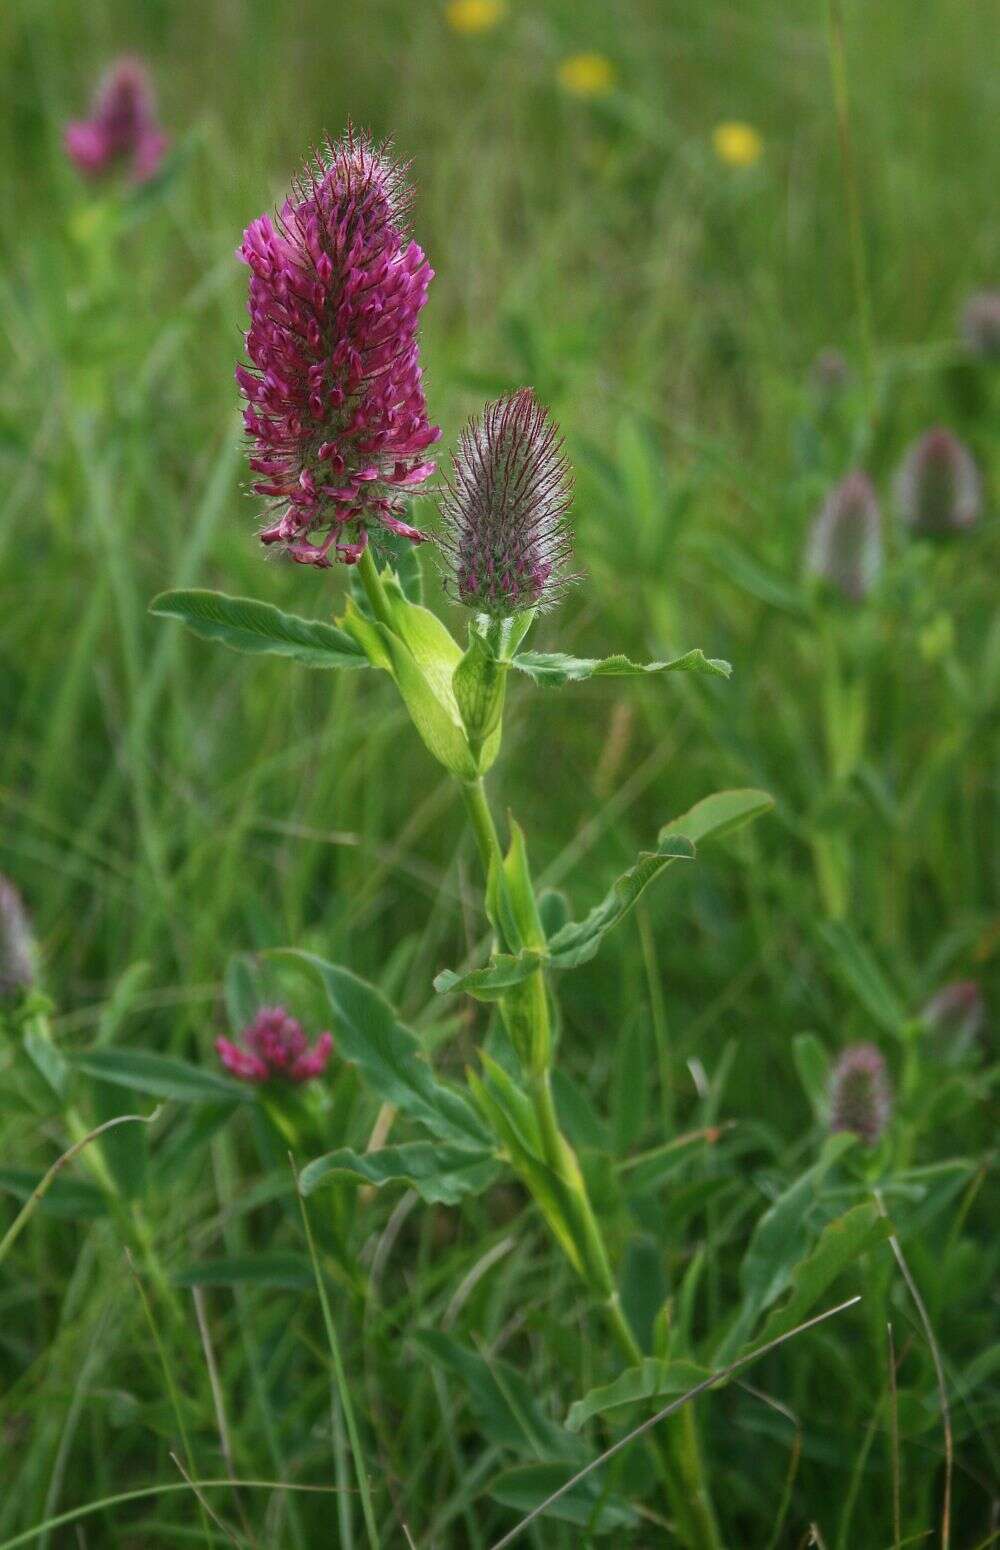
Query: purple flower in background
274	1045
122	127
335	399
830	373
938	488
845	542
17	947
981	325
504	509
955	1016
860	1099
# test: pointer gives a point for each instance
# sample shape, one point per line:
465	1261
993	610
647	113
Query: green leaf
752	578
587	1504
245	624
162	1076
276	1272
650	1380
438	1171
863	977
555	667
719	814
779	1242
813	1065
490	983
71	1199
578	941
502	1402
388	1055
839	1245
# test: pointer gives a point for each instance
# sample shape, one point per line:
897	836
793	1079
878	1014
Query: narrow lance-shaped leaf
440	1173
556	668
258	629
649	1380
839	1245
161	1076
719	814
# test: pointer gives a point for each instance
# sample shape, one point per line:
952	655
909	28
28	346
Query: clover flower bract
845	542
122	127
274	1045
17	947
937	486
504	509
336	405
860	1098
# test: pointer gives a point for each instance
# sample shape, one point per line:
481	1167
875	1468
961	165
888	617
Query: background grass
164	807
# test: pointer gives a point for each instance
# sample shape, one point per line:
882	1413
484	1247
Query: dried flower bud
829	373
17	946
504	509
937	486
336	407
845	541
860	1098
954	1017
123	126
275	1046
981	325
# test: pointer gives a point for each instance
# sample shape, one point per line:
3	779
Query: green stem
373	589
838	73
483	826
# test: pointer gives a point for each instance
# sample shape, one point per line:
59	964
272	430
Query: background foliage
164	807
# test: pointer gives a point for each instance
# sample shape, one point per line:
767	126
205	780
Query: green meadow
193	1349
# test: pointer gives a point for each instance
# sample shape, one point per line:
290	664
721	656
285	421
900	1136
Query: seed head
335	401
860	1098
937	484
17	944
845	543
504	509
275	1046
122	126
955	1016
981	325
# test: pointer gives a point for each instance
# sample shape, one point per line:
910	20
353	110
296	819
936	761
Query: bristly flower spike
860	1097
938	488
275	1046
504	509
17	945
336	409
845	541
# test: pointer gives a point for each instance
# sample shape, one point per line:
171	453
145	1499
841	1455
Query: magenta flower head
17	945
981	325
335	401
860	1098
845	542
122	127
506	539
955	1017
937	485
275	1046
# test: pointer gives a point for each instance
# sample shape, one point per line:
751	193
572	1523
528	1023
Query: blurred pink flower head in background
981	325
955	1017
335	398
275	1046
17	947
122	127
845	542
860	1096
938	488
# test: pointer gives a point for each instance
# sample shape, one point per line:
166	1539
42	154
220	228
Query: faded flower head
845	542
335	399
737	144
860	1097
937	486
17	945
981	325
122	126
954	1017
274	1045
474	16
504	509
587	75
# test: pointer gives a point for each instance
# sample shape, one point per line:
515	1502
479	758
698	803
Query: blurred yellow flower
738	145
587	75
471	16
